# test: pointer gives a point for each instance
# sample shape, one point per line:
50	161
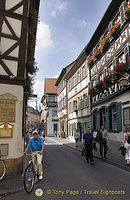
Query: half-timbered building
14	28
109	65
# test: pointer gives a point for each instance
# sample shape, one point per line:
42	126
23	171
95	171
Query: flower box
127	12
105	43
115	28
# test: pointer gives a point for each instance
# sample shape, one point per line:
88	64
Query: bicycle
2	168
31	175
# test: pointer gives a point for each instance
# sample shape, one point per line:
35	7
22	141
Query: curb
106	161
11	191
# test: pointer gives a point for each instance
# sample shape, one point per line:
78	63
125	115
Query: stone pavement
15	184
114	156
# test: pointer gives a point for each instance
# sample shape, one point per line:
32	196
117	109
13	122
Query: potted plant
33	18
107	79
127	12
92	90
97	53
99	85
120	68
105	42
90	61
115	28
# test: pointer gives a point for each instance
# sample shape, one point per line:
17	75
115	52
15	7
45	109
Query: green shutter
119	116
89	85
104	72
92	120
115	62
127	55
121	9
107	118
96	79
98	119
109	27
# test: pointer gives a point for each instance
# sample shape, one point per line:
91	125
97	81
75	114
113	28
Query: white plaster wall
16	144
50	122
11	3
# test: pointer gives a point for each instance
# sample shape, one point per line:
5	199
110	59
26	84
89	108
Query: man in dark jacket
87	143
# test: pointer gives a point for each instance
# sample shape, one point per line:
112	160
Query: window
74	106
54	113
121	57
83	72
93	83
55	126
78	77
110	68
101	76
113	117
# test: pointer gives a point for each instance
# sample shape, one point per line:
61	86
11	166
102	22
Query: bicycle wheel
2	169
29	179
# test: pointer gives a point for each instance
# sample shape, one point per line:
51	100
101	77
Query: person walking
76	136
37	146
102	138
126	144
87	143
43	135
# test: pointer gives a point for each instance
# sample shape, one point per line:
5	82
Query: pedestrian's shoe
102	158
87	161
76	145
40	177
92	163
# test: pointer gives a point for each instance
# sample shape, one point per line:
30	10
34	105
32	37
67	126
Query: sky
64	29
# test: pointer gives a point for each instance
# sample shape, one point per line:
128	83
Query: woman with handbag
126	144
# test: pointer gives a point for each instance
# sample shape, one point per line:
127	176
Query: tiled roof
50	87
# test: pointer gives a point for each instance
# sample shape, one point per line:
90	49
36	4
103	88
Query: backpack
99	136
128	140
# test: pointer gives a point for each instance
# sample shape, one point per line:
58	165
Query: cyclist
37	146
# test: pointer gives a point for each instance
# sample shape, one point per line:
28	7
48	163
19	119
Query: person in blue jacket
87	143
37	146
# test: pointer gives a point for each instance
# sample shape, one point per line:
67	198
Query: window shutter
104	72
109	27
92	120
107	118
119	116
96	79
127	55
72	129
98	119
82	128
115	62
121	9
89	85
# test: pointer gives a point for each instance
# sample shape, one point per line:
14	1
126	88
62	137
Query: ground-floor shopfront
81	124
113	112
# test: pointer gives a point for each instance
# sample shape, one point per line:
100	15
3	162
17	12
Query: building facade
14	24
62	101
78	98
49	107
109	66
33	118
